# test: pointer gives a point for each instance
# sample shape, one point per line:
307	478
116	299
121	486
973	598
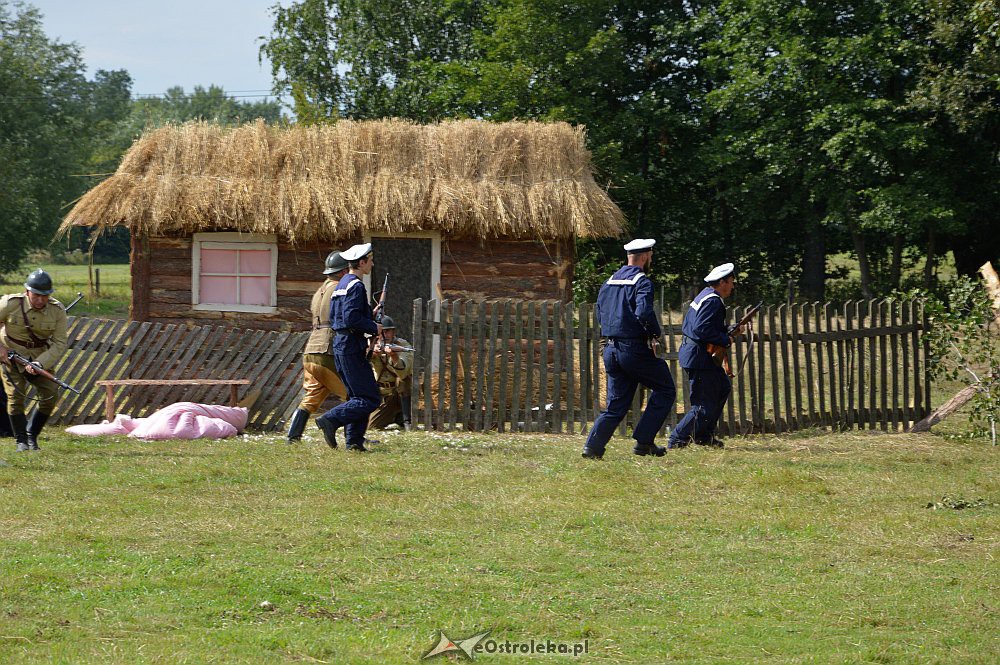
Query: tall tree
45	104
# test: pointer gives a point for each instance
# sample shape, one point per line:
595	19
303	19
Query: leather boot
329	430
19	424
404	402
35	425
297	425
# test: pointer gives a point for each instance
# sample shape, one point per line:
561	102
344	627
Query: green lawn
804	548
111	302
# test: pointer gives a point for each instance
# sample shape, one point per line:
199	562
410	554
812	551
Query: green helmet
388	323
335	263
39	282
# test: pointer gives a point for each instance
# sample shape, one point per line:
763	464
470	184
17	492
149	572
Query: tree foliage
50	118
964	335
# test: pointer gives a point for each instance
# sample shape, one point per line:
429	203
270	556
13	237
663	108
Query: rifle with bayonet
721	353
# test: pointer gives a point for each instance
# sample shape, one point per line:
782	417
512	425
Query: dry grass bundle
514	179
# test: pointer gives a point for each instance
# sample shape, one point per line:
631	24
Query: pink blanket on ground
183	420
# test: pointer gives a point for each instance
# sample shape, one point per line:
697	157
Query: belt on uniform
623	339
350	331
323	327
28	345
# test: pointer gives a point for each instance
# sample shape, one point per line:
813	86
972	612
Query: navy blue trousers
362	396
629	363
710	389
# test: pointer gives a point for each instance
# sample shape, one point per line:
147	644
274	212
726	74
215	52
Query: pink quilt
183	420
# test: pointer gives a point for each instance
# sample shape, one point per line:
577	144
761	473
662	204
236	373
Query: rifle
79	297
388	347
377	313
9	356
721	353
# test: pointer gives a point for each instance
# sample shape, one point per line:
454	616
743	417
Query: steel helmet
335	263
39	282
388	323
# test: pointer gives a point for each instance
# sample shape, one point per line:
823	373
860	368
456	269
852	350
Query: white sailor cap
640	245
718	272
357	252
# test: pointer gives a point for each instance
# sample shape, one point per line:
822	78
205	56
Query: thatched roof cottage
231	225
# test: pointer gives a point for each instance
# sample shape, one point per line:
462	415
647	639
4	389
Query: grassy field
111	303
805	548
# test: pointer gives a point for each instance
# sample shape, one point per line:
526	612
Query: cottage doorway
413	262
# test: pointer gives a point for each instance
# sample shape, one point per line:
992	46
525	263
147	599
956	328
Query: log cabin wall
524	269
470	269
167	299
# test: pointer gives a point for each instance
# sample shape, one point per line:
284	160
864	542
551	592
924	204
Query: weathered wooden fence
104	349
535	366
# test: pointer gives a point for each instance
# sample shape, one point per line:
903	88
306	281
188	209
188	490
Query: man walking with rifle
632	330
319	372
32	328
706	339
351	318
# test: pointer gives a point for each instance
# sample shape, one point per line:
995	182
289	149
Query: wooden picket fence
509	365
105	349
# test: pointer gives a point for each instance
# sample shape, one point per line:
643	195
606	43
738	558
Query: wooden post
515	409
109	404
491	374
505	363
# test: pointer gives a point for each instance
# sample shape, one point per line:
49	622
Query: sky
170	42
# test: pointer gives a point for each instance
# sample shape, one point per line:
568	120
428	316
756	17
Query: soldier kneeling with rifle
33	336
392	360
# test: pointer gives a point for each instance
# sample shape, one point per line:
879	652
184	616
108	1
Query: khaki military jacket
48	325
387	375
321	335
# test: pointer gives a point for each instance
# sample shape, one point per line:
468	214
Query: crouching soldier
393	372
34	325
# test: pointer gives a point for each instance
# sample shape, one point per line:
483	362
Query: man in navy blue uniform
705	324
352	319
630	326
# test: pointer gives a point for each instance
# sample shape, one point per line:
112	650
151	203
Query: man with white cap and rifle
630	326
705	325
352	318
319	371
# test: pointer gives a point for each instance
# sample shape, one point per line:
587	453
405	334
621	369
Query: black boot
649	449
404	402
298	425
35	425
19	424
329	431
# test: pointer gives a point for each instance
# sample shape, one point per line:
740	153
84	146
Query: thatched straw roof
469	178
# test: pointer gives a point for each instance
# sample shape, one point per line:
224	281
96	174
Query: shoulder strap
34	338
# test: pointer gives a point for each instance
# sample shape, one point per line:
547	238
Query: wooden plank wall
105	349
470	268
516	365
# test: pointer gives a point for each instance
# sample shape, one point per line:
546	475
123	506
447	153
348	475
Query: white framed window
234	272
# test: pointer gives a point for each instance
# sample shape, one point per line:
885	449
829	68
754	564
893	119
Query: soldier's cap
388	323
335	262
719	272
640	245
357	252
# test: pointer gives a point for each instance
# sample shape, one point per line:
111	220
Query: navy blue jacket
625	305
350	311
705	323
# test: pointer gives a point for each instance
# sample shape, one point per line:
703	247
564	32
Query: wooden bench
110	385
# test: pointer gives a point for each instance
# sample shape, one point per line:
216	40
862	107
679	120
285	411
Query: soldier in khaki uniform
320	376
34	325
394	376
